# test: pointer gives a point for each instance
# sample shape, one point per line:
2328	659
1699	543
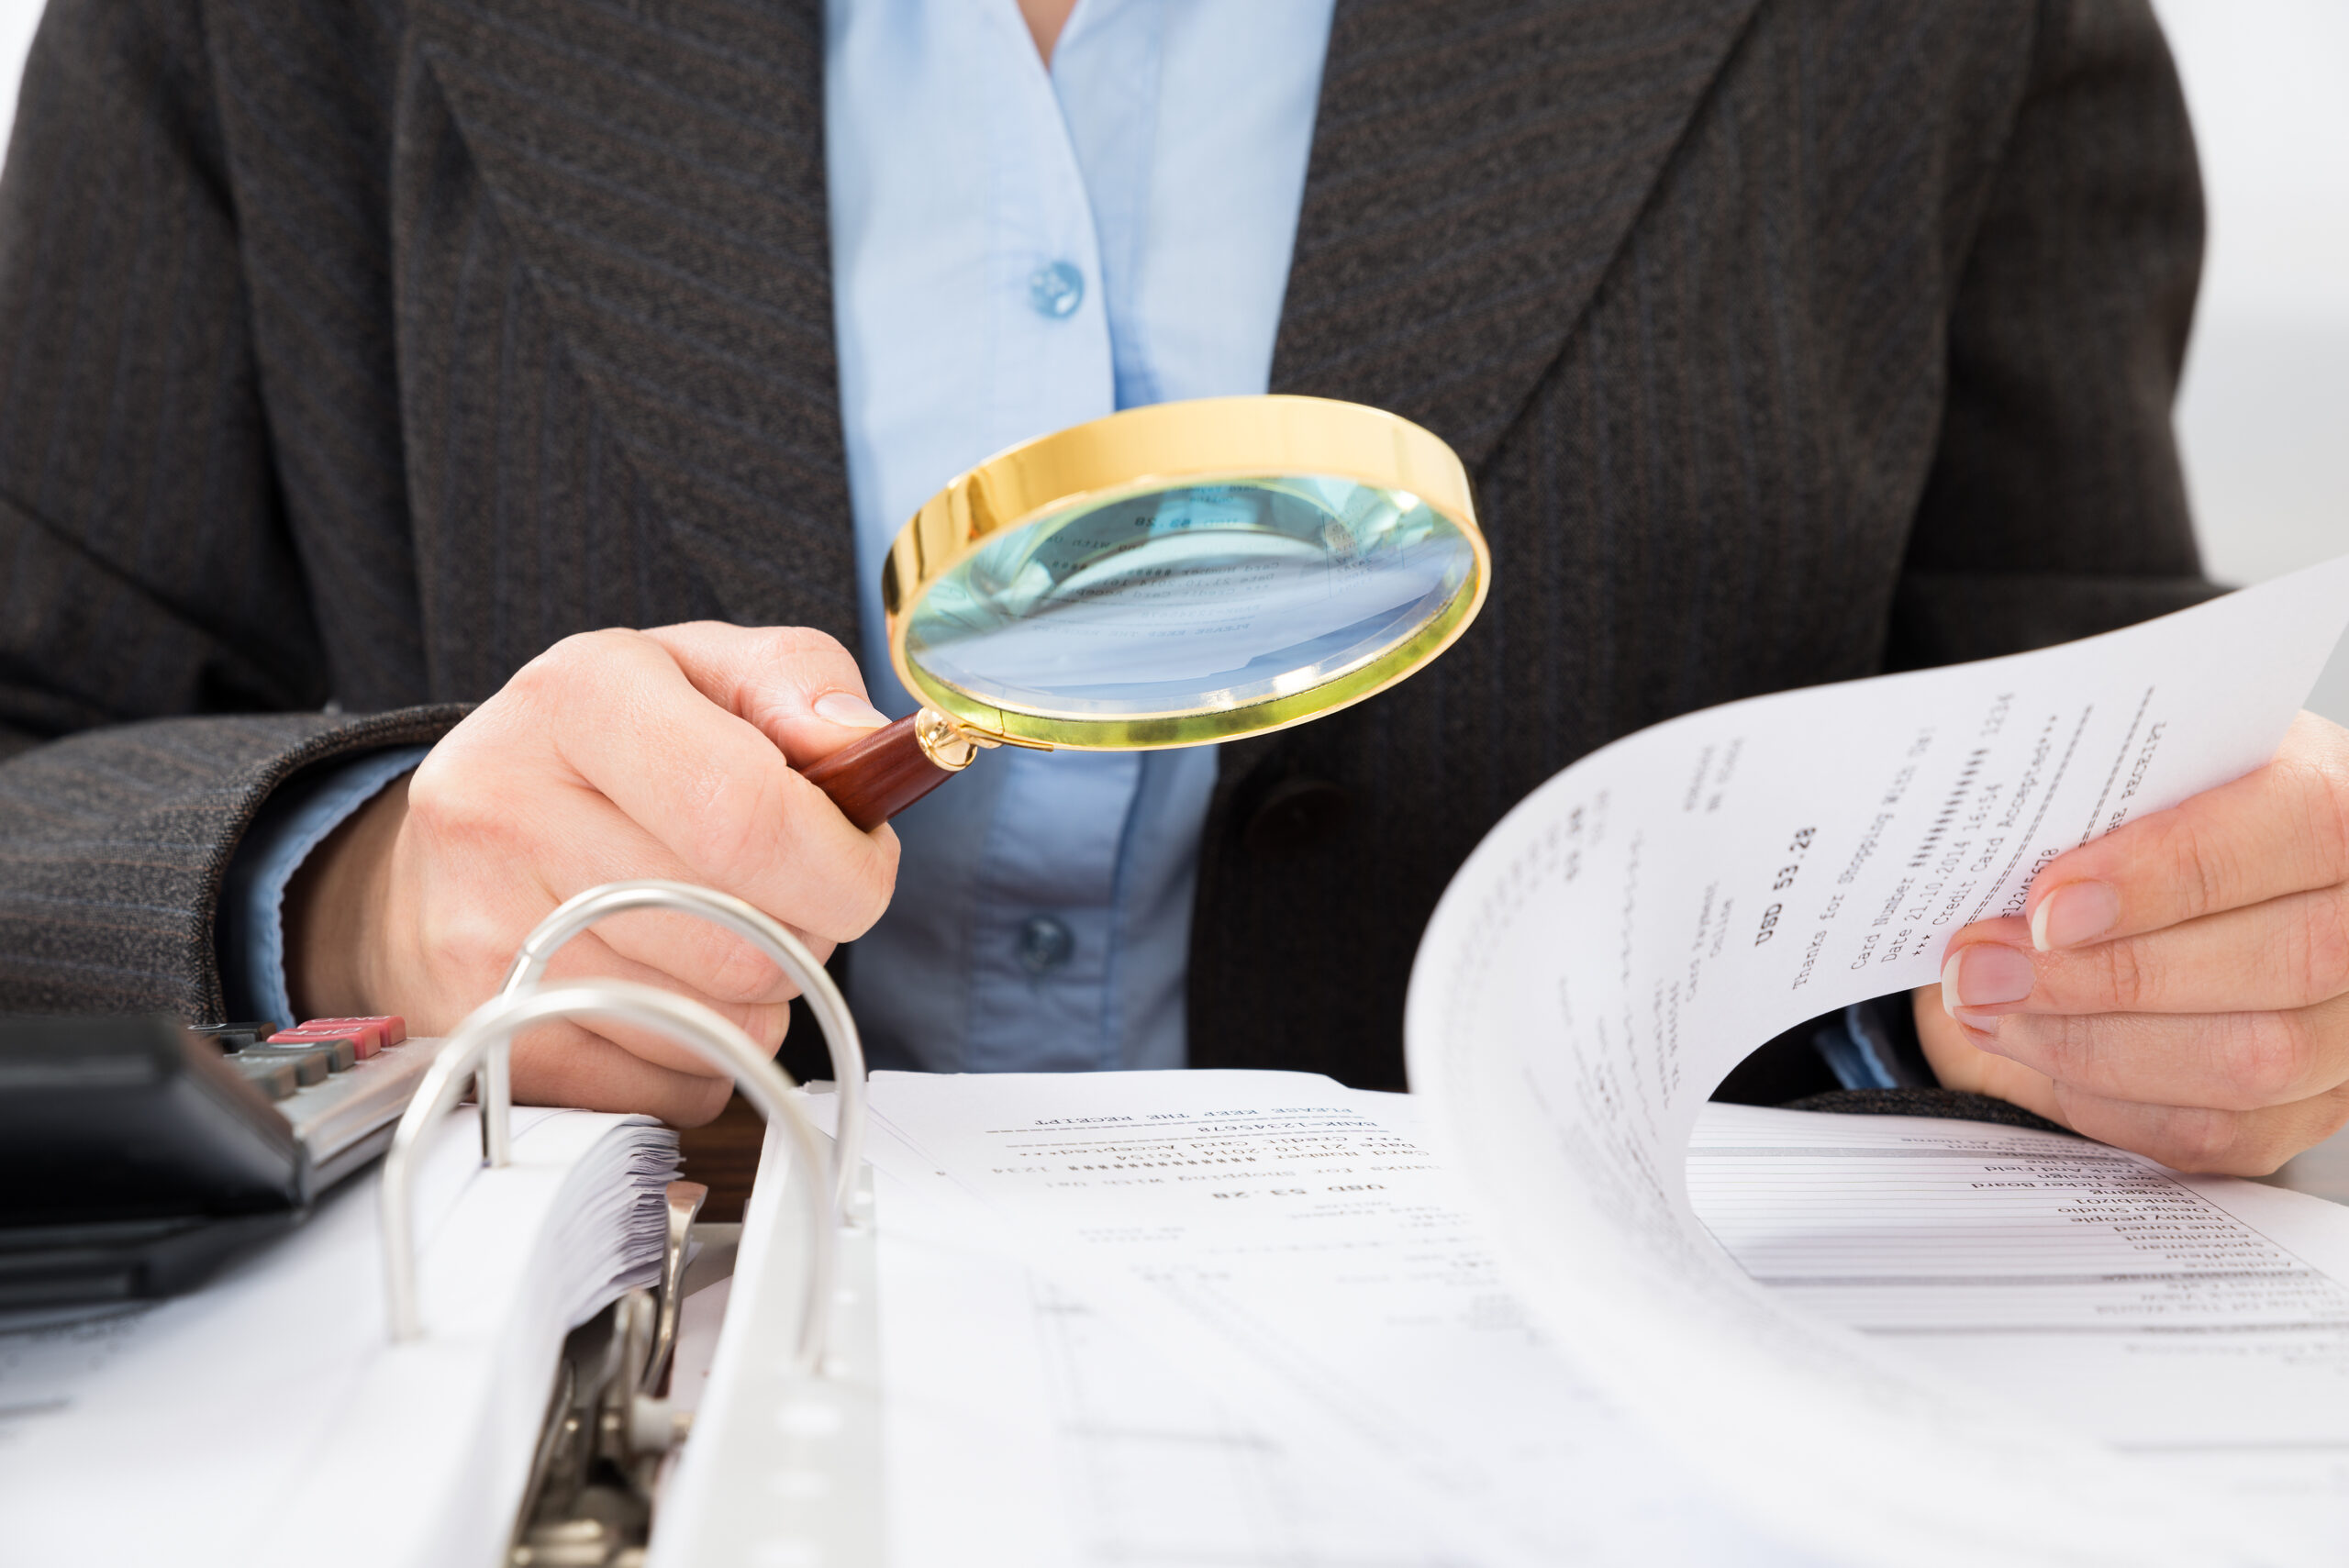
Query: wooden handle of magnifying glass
874	779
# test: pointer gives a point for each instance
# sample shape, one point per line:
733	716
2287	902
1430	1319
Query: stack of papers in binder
269	1420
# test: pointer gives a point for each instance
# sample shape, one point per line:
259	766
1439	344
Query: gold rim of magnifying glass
1210	440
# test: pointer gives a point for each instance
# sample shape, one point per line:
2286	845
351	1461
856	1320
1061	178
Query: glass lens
1209	597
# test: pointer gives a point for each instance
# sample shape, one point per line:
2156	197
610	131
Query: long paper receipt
1655	911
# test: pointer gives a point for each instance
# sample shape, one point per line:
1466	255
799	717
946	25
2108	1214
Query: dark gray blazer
354	351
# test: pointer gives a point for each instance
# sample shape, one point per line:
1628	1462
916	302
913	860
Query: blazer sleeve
2056	507
160	668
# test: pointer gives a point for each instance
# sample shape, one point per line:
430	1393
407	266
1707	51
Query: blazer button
1296	815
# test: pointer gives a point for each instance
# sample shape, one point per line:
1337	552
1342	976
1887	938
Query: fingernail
2075	913
848	710
1985	975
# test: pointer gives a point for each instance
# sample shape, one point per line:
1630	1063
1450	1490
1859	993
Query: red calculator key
392	1027
367	1030
363	1043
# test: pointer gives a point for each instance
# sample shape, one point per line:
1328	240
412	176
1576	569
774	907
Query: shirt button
1045	944
1056	290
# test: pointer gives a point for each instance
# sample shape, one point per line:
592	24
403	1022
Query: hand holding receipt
2181	987
1637	924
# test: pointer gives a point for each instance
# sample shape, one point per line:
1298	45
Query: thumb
798	687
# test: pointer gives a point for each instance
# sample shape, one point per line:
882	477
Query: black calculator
138	1154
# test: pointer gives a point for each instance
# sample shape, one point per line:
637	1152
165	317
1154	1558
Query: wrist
334	924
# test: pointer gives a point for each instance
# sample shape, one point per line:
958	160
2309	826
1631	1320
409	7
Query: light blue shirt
295	820
1013	251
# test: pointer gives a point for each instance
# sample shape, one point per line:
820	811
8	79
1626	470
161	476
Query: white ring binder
483	1046
763	932
496	1022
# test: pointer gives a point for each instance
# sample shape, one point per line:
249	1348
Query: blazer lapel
1475	165
660	168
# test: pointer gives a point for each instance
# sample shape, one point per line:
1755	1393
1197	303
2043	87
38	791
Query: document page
1028	1428
1653	913
1294	1250
2168	1315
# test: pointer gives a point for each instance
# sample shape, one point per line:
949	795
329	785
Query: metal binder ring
747	921
492	1026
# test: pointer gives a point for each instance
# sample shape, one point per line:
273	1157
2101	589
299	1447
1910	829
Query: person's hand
2179	987
614	755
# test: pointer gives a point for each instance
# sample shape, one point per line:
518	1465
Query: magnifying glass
1167	576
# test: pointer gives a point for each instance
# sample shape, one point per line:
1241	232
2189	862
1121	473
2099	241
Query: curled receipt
1637	926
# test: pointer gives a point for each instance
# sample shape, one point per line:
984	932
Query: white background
2264	415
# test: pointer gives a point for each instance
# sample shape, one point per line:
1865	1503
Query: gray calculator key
275	1078
236	1036
311	1063
345	1052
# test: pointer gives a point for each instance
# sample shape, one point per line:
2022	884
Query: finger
2226	1061
587	957
2291	951
2200	1139
565	1064
799	687
707	784
2187	1138
2280	829
1958	1064
705	959
544	861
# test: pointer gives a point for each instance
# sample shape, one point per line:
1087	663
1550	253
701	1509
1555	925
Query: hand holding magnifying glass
1167	576
1164	577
